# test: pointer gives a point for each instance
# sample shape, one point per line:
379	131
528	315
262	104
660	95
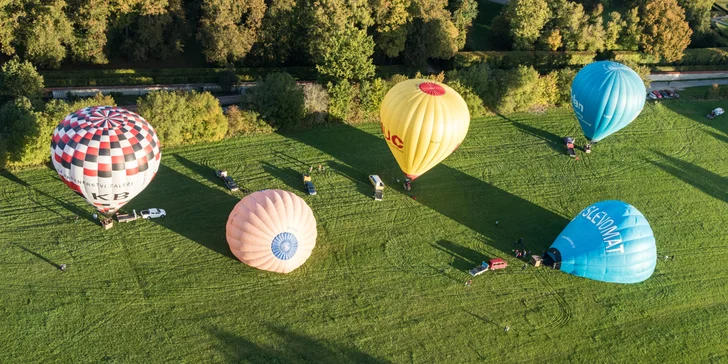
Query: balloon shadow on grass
194	210
291	347
710	183
75	210
457	195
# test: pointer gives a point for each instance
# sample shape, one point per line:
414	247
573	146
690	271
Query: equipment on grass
106	154
272	230
606	96
569	141
423	122
609	241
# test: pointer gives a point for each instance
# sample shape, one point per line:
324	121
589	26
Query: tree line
663	28
339	37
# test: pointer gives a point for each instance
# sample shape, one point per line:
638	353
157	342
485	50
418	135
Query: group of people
521	252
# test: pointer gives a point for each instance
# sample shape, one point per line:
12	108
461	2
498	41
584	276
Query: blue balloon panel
606	97
609	241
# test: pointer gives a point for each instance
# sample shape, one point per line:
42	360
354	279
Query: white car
153	213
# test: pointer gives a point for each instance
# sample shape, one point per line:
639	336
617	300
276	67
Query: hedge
544	60
537	59
113	77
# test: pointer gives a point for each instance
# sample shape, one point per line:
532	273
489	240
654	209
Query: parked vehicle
153	213
308	185
664	94
229	182
716	112
669	93
651	95
657	94
126	217
378	186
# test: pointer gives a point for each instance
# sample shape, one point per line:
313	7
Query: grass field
385	282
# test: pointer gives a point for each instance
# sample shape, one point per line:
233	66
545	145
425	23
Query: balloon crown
432	88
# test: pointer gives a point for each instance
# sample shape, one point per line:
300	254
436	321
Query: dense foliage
658	27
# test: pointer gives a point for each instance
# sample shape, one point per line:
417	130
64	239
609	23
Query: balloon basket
107	223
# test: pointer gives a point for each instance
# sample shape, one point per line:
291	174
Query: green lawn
478	36
385	282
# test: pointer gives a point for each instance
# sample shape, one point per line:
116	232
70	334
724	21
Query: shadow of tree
464	258
194	210
202	170
710	183
293	348
554	141
697	111
459	196
289	176
365	188
721	137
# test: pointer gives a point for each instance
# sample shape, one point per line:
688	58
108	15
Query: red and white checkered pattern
106	154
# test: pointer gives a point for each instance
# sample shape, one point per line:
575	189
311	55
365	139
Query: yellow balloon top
423	122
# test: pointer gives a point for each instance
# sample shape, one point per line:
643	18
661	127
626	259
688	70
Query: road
679	85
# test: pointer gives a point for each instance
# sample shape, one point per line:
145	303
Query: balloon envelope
423	122
272	230
609	241
606	97
106	154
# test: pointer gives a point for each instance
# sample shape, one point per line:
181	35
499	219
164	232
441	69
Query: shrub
340	101
316	102
279	100
515	90
245	122
20	79
477	78
184	117
475	104
564	78
371	94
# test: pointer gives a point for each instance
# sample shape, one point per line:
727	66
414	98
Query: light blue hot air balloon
609	241
606	97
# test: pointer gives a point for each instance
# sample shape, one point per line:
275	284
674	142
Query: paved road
679	85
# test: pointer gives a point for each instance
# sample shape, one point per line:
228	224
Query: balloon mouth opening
552	258
411	177
432	89
284	246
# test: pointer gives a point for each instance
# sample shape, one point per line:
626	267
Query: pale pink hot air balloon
272	230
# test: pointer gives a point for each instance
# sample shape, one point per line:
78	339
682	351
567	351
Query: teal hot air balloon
606	96
609	241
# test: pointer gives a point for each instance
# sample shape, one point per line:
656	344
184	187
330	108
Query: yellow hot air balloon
272	230
423	122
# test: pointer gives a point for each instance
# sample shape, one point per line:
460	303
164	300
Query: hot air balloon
272	230
606	97
423	122
609	241
106	154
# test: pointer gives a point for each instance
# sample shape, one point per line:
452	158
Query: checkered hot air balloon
272	230
106	154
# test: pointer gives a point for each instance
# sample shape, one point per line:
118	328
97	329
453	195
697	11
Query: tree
90	18
340	46
18	127
184	117
697	13
46	33
527	18
433	32
228	28
390	20
571	21
281	35
347	57
10	12
279	100
614	29
631	34
153	29
463	13
666	32
20	79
